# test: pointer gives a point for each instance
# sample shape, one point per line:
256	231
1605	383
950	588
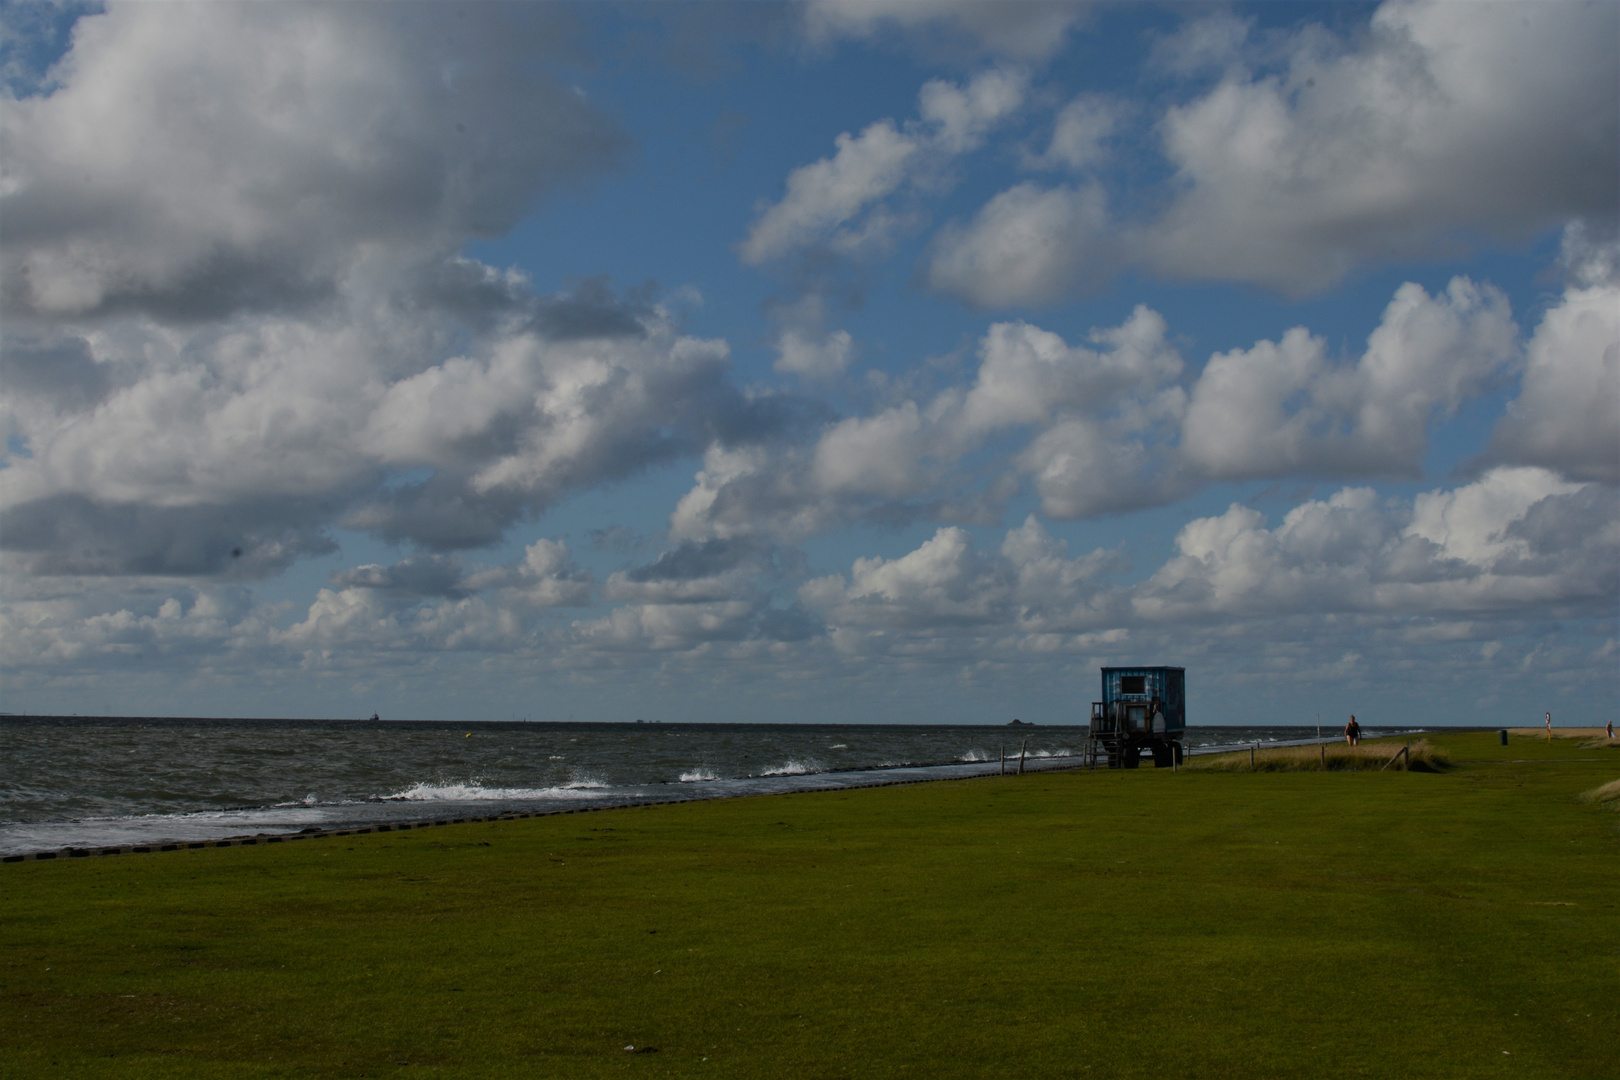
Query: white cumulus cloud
1567	414
839	202
900	461
1478	548
1283	407
1026	30
235	312
1316	153
198	157
1444	119
1027	246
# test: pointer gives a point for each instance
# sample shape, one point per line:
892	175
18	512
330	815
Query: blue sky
839	360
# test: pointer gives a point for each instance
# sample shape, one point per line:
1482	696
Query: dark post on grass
1021	751
1503	733
1405	751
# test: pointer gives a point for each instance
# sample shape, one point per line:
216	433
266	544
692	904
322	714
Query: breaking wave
976	756
310	800
695	776
577	789
793	767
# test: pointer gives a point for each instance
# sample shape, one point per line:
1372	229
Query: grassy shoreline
1145	923
1414	755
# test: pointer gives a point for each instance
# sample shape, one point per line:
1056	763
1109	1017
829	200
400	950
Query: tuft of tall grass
1588	738
1422	757
1607	793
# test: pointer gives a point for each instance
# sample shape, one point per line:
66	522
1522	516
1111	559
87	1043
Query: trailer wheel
1177	748
1130	756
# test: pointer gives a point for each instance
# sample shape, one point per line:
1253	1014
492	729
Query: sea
72	782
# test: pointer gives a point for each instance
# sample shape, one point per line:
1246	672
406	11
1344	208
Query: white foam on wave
311	799
577	789
839	746
976	755
792	767
695	776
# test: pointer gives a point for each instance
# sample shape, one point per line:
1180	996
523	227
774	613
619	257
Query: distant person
1610	729
1352	732
1549	725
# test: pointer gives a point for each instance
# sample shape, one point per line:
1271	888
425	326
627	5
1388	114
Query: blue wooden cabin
1142	709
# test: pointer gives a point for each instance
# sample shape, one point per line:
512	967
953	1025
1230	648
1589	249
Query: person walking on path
1352	731
1610	729
1549	725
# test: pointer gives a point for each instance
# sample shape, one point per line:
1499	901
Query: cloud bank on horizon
318	394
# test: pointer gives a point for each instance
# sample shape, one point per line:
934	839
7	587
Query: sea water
81	782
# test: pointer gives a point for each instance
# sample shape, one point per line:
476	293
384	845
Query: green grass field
1146	923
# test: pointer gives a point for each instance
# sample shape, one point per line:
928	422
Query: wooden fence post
1405	751
1021	751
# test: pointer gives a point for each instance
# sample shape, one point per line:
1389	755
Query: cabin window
1133	684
